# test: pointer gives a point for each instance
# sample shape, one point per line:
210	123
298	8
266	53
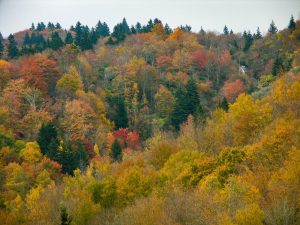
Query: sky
212	15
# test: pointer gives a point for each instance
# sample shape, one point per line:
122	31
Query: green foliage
48	140
65	218
13	50
116	151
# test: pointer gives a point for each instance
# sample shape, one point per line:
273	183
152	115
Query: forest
148	125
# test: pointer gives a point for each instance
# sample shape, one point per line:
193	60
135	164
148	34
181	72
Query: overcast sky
238	15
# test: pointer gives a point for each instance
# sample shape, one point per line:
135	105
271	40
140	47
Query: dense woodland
148	125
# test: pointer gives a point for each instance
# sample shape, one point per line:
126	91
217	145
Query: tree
121	30
225	30
48	140
272	29
65	219
55	42
69	38
116	151
13	50
41	26
258	34
119	114
57	26
232	89
1	46
292	24
224	105
277	66
187	103
102	29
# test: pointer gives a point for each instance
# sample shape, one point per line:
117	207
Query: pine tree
168	29
32	27
55	43
57	26
121	119
138	27
272	29
50	26
277	66
258	34
94	36
78	30
1	45
41	26
85	42
292	24
224	105
69	38
48	140
225	30
248	40
65	219
116	151
102	29
26	40
231	32
13	50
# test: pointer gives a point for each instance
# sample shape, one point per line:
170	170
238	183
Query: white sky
239	15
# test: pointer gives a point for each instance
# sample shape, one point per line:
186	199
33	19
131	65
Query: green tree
292	24
1	45
224	105
121	30
116	151
102	29
65	219
119	113
272	29
258	34
13	50
48	140
277	66
55	43
225	30
69	38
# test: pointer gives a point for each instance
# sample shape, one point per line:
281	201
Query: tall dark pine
57	26
168	29
78	30
69	38
187	103
272	29
121	30
85	42
224	105
292	24
13	50
32	27
258	34
102	29
26	40
121	119
248	40
1	45
55	42
116	151
48	140
225	30
41	26
50	26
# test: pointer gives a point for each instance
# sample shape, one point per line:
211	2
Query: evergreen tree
32	27
85	42
110	41
78	30
248	40
121	30
50	26
168	29
292	24
69	38
102	29
48	140
187	103
41	26
40	43
258	34
94	36
116	151
224	105
71	156
277	66
202	32
27	40
121	119
13	50
65	219
225	30
231	32
57	26
1	45
55	43
272	29
138	27
133	30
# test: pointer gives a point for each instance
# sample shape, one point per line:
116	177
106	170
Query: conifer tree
224	105
13	50
258	34
57	26
272	29
116	151
1	45
292	24
225	30
55	43
69	38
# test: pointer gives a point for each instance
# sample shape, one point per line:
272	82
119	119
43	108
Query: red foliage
199	59
164	62
232	89
127	139
39	71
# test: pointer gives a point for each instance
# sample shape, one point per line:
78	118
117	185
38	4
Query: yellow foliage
31	153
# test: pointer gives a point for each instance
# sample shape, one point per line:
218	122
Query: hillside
149	125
